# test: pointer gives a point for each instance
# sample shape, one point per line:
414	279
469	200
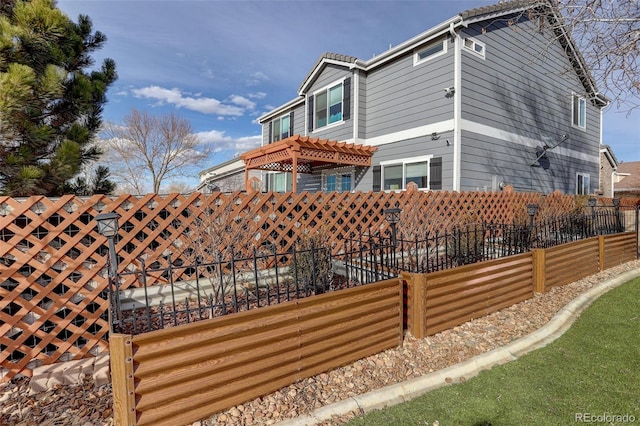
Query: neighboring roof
307	153
611	157
231	164
461	20
631	182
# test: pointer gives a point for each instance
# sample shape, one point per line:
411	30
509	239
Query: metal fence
235	283
472	243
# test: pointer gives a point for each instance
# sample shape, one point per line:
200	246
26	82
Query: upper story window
430	51
281	128
579	111
474	46
330	105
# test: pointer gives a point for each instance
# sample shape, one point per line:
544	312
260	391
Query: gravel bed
86	405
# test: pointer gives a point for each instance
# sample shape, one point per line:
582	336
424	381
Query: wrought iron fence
235	283
471	243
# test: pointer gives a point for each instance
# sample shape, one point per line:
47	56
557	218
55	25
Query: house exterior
224	177
494	96
627	180
608	172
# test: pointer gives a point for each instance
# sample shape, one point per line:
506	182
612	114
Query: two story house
494	96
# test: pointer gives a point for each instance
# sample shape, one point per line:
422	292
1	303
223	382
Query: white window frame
288	181
279	121
338	173
582	117
403	162
416	54
326	90
580	178
474	45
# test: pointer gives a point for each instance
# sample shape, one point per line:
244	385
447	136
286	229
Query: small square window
474	46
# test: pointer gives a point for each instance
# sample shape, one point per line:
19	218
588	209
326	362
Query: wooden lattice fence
53	283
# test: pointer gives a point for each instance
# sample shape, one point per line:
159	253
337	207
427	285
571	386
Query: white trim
473	50
440	127
583	175
417	51
325	89
407	160
584	100
403	162
492	132
278	110
355	103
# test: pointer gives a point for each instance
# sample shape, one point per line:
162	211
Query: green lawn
593	368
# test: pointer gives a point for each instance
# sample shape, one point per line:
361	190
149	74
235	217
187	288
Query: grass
593	368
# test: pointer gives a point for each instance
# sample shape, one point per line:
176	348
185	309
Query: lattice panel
52	302
53	283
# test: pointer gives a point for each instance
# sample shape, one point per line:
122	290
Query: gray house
494	96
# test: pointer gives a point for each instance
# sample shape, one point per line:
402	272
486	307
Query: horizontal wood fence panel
188	372
619	248
569	262
458	295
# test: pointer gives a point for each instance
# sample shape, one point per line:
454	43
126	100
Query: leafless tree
607	32
147	147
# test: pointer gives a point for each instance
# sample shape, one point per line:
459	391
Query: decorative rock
88	403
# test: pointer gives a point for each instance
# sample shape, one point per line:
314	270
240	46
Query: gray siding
487	161
413	148
298	123
401	96
330	74
525	86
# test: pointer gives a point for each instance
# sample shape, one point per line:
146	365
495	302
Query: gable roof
463	19
631	182
607	152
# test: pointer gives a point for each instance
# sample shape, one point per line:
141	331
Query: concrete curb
401	392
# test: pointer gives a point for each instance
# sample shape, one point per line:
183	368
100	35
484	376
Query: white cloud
222	142
242	101
178	98
257	95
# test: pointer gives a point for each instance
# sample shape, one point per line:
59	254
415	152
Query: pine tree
50	101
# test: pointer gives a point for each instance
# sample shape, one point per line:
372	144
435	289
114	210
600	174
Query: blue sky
222	64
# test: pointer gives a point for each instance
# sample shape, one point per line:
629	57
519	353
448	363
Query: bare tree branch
161	147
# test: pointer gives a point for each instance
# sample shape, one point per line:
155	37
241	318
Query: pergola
301	154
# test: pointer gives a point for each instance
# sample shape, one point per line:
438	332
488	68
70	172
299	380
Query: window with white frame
578	111
582	184
328	106
473	45
337	180
279	181
425	171
281	128
431	51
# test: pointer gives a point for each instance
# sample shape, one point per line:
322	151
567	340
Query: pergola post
294	174
247	184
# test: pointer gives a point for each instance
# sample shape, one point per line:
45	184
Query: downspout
457	108
355	104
